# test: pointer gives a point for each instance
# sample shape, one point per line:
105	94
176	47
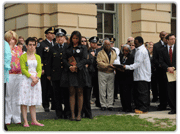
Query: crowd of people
71	71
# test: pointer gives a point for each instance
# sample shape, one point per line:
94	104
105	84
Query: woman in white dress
30	87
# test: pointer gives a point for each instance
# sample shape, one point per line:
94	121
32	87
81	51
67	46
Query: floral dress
30	95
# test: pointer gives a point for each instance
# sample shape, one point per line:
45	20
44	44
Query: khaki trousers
106	83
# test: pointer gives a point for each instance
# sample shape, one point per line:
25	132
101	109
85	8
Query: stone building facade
104	20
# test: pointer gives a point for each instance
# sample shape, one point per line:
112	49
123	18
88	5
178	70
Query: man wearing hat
55	69
43	50
112	40
94	51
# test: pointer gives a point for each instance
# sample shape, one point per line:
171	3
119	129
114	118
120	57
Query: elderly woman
11	108
30	88
125	78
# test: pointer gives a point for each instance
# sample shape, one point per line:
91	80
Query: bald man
160	73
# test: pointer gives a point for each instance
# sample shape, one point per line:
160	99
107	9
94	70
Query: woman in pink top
11	107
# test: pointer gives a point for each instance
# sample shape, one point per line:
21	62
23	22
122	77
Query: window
106	20
173	19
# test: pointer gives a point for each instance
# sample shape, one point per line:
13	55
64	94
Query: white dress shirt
172	47
50	42
142	65
162	42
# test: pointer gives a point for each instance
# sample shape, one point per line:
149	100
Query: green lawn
99	123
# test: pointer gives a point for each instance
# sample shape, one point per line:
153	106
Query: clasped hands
35	80
73	68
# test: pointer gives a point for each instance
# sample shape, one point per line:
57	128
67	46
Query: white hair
105	40
126	45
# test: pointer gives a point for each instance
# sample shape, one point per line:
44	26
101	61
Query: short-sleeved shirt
15	61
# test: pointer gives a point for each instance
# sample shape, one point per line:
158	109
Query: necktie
170	54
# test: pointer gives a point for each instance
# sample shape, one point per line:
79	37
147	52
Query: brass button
53	70
61	62
60	53
61	66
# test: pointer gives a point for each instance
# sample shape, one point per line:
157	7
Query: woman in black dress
125	78
74	59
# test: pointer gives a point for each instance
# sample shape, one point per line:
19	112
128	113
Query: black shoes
172	112
110	109
103	108
46	109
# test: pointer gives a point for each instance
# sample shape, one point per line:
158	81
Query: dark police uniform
43	49
94	75
55	69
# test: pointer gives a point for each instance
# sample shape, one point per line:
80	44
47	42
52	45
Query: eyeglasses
83	41
132	45
130	41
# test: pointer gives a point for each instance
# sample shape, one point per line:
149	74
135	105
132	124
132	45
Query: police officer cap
112	40
100	42
60	32
94	39
51	30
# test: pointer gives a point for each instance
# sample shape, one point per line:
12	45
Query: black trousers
171	89
162	81
58	93
116	86
125	94
46	89
141	98
95	85
86	102
154	85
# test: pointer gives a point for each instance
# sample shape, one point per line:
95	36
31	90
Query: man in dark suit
160	73
94	51
167	60
43	50
54	74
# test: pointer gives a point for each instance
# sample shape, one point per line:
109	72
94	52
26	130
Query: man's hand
93	54
49	78
170	69
124	66
111	65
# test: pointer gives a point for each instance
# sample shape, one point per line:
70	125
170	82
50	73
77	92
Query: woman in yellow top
30	87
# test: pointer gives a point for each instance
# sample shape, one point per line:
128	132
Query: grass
99	123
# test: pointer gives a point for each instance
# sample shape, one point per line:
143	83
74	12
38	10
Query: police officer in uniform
43	50
94	51
54	73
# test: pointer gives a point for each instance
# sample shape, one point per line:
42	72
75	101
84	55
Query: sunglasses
83	41
132	45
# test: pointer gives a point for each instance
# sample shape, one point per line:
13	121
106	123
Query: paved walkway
150	116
